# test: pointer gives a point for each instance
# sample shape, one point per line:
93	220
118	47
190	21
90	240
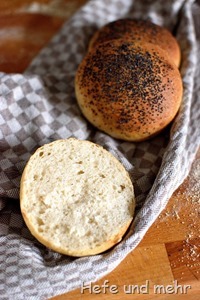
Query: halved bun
76	198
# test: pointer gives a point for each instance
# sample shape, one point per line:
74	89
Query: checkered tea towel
39	106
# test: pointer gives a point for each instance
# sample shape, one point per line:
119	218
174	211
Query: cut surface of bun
76	197
128	90
138	31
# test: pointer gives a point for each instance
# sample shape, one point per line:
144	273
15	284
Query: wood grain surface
169	254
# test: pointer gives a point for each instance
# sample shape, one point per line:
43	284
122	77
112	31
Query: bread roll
138	31
76	198
130	91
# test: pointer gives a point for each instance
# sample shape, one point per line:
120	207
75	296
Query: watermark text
106	287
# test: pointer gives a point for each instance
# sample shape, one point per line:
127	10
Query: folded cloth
39	106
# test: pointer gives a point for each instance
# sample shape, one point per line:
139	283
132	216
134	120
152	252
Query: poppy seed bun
76	198
130	91
138	31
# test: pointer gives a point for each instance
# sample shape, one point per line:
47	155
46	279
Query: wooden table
169	254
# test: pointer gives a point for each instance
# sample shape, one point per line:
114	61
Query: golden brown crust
138	31
130	91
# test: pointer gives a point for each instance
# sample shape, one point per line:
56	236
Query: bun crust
76	198
138	31
130	91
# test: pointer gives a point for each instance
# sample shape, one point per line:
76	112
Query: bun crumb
76	198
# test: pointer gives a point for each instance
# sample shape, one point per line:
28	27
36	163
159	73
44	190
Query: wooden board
170	249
